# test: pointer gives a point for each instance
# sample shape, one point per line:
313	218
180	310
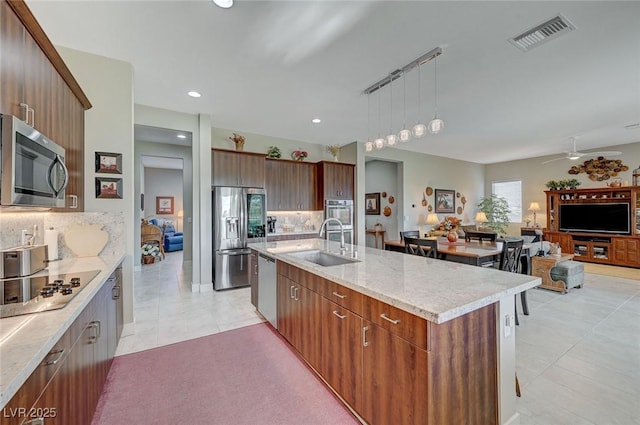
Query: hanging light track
394	75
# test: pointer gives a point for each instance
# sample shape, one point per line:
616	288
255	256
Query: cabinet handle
115	292
33	116
95	325
74	201
336	313
59	353
365	343
36	421
26	112
338	295
296	293
291	292
385	317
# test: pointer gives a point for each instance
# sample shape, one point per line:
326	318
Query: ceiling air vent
542	33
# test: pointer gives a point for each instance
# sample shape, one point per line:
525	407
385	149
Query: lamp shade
433	219
481	217
534	206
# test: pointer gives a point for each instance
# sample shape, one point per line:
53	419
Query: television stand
597	247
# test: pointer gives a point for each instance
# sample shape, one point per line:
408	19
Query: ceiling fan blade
602	153
554	159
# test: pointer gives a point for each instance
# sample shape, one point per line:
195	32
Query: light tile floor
577	355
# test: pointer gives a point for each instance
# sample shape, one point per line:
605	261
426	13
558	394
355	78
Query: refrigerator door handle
234	252
243	218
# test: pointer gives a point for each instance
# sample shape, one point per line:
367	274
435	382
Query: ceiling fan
574	154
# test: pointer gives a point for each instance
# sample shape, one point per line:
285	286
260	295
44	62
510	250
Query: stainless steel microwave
33	170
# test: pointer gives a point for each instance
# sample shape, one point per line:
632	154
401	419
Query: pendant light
404	135
436	124
379	142
391	139
368	146
419	130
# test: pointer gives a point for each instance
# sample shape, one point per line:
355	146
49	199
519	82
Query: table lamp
534	207
481	217
433	219
180	217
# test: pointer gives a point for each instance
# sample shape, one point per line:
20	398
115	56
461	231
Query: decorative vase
239	147
148	259
452	236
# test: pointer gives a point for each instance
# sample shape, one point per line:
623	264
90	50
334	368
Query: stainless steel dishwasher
267	289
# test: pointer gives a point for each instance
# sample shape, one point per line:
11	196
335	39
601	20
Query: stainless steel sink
323	258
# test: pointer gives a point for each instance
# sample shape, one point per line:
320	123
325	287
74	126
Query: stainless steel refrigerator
239	218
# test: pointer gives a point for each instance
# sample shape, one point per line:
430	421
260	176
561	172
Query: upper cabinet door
336	180
230	168
306	183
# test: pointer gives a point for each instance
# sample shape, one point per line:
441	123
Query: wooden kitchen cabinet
232	168
290	185
33	73
626	251
565	240
253	276
393	367
335	181
342	336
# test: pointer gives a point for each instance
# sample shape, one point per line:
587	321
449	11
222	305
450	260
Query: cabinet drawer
342	296
33	387
406	325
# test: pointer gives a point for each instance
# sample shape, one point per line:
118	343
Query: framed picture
445	201
164	204
107	187
107	162
372	203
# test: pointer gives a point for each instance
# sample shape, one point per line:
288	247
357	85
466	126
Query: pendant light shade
368	146
378	143
391	139
404	135
436	125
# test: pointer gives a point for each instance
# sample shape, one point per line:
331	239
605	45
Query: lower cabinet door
394	388
342	340
56	404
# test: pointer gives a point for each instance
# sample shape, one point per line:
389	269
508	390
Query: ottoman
570	272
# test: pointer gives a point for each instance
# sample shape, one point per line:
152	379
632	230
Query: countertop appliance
343	211
239	218
33	170
22	261
271	224
267	289
33	294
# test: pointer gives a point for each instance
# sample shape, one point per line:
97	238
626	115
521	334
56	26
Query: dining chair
416	246
409	233
470	235
510	262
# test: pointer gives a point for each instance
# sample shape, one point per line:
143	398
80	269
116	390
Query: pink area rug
244	376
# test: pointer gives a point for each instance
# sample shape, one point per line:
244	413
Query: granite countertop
25	340
301	232
436	290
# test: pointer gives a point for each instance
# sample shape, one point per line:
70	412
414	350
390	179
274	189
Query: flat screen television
596	218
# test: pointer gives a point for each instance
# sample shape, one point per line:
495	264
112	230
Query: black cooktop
33	294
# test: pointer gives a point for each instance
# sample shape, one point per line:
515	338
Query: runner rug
244	376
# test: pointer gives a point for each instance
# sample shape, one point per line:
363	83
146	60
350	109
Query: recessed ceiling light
194	94
316	120
181	136
225	4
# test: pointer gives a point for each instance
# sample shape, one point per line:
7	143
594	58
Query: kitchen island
37	350
402	338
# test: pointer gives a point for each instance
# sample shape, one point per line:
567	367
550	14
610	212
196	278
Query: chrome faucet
342	247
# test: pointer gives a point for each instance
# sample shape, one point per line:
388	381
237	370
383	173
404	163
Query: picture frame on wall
164	204
107	187
108	162
372	203
445	201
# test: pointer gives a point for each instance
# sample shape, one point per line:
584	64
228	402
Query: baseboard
128	329
513	420
206	287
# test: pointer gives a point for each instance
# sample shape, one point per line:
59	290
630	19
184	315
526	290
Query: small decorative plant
497	211
150	250
274	152
238	139
334	150
552	185
450	223
573	183
299	155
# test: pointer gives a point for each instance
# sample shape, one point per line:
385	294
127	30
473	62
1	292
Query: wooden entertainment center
598	247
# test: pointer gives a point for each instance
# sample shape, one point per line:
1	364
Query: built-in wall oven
343	211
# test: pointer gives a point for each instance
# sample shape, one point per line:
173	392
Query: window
512	192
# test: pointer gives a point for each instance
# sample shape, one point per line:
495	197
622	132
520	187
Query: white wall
108	127
534	175
382	176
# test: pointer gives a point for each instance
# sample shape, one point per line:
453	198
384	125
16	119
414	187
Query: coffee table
541	267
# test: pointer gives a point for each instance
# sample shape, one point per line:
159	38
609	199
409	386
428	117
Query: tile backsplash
12	224
297	221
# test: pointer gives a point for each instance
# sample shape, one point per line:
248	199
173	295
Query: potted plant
497	211
274	152
573	183
299	155
552	185
149	253
239	140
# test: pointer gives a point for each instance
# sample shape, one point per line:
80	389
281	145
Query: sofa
172	240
